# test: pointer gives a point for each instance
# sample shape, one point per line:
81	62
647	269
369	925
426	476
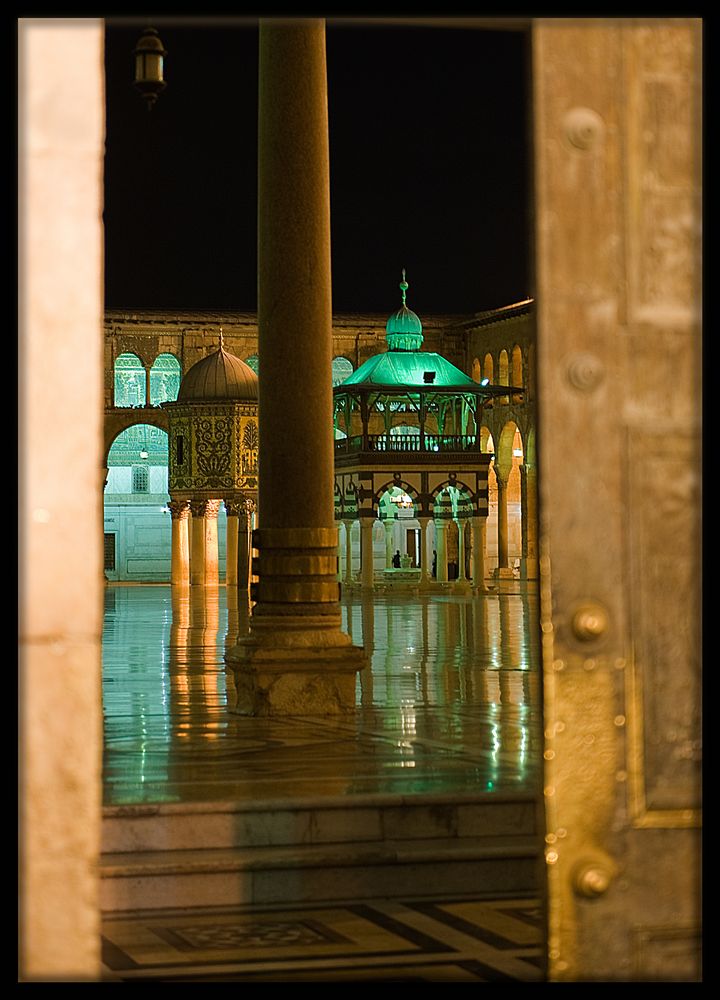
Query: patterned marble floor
463	940
451	704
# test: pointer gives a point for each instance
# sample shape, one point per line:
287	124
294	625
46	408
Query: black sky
428	155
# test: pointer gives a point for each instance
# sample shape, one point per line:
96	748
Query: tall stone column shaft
180	543
232	509
389	550
348	551
528	499
204	562
461	550
367	557
502	518
441	551
424	575
296	660
479	527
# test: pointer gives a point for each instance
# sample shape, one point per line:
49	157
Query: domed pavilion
213	459
408	452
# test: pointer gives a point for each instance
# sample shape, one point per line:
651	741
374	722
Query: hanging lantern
149	55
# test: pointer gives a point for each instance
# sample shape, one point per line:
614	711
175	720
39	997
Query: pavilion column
441	527
389	551
367	557
232	509
424	575
295	660
204	557
528	500
180	545
479	526
503	568
348	551
462	576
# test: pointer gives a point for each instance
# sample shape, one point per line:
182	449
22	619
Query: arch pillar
441	573
180	546
424	576
367	559
503	570
528	515
389	525
348	551
479	528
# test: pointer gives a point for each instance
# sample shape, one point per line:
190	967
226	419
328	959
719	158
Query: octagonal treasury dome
218	376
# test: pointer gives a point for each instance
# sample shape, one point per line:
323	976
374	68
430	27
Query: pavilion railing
408	443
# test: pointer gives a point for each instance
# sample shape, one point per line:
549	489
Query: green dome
417	369
404	329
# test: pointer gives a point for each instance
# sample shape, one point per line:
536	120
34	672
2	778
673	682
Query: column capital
179	509
205	508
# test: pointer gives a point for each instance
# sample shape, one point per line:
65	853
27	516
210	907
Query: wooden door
617	249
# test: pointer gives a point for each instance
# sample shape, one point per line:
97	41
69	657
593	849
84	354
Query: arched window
503	373
341	369
488	368
476	370
129	381
164	379
253	362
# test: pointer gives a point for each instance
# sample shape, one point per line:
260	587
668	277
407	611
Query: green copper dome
404	329
404	363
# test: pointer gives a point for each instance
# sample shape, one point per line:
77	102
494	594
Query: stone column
147	386
244	560
528	499
462	575
348	551
204	561
232	509
441	550
180	551
296	660
60	349
367	558
424	563
389	537
503	569
479	526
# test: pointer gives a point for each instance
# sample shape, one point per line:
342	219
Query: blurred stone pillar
503	569
60	356
479	527
424	575
232	534
348	551
296	660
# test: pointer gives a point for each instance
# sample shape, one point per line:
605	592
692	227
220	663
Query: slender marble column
204	562
367	557
462	576
180	550
503	567
441	550
479	526
232	509
424	575
528	498
389	550
296	660
348	551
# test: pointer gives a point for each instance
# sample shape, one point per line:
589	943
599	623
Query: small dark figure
434	565
396	559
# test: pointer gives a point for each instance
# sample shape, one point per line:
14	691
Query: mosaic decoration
129	381
213	451
165	376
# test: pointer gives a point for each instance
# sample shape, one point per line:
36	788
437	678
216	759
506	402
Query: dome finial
403	286
222	342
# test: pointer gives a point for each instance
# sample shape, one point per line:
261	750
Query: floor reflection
451	703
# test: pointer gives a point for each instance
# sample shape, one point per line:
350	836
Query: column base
298	679
503	573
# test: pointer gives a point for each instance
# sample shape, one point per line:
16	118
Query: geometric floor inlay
456	940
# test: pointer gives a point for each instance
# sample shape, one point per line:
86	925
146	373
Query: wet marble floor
450	705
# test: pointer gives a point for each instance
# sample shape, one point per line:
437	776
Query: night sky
428	158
